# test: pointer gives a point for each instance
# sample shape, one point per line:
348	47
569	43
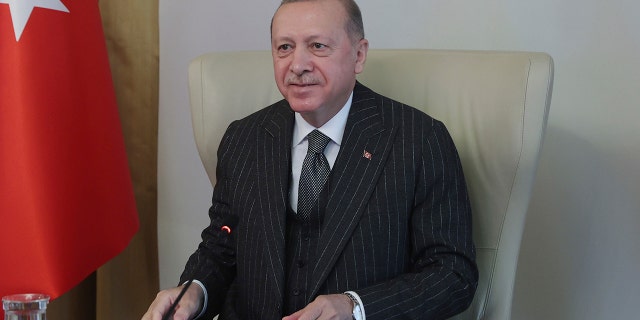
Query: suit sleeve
443	275
213	263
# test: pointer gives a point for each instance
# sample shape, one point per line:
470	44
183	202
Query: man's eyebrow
282	38
311	38
328	41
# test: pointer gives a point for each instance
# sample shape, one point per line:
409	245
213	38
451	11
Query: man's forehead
305	19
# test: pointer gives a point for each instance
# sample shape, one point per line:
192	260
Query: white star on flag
21	11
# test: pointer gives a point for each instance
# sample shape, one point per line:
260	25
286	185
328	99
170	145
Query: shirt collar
334	128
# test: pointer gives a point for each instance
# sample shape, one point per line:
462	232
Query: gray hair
354	25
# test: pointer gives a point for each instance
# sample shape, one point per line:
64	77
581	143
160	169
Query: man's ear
362	48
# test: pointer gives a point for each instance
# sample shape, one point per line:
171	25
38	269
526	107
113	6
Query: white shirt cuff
205	300
358	307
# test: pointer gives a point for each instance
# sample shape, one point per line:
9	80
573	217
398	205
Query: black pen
172	309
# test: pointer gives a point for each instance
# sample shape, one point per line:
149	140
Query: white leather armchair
495	105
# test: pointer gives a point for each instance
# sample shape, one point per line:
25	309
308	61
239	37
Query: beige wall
579	253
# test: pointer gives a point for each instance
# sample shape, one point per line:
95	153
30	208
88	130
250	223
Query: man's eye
284	47
319	46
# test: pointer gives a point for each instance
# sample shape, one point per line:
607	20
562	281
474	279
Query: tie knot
317	141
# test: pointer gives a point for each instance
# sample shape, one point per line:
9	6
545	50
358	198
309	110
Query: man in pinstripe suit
389	236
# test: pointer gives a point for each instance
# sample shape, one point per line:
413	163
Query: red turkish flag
66	199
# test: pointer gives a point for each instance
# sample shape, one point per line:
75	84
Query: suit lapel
365	146
273	154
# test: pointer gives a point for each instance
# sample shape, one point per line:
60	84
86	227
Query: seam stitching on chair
524	104
202	95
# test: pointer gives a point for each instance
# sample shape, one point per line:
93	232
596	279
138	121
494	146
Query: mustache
303	80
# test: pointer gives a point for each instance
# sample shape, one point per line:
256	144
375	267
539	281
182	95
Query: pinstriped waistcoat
301	246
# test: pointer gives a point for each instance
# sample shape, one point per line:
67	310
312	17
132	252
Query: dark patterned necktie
314	174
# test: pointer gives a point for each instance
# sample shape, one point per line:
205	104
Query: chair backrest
495	105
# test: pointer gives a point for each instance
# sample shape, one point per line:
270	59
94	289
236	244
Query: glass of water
30	306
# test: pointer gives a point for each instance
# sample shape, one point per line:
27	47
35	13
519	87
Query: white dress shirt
334	129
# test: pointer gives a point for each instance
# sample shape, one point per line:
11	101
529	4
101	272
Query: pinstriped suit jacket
397	227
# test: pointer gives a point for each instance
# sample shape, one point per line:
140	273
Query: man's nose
301	62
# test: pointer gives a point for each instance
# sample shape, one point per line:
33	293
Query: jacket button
300	263
296	292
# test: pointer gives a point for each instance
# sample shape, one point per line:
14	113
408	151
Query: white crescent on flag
21	11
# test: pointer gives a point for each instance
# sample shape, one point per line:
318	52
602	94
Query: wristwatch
356	313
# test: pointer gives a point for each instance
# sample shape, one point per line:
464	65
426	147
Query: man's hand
186	308
333	306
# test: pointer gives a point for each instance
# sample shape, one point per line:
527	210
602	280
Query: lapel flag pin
367	155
